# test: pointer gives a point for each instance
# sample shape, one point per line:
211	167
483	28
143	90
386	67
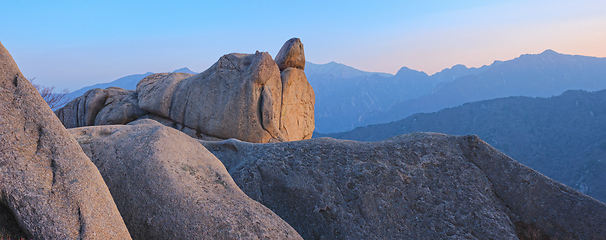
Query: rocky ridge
562	137
414	186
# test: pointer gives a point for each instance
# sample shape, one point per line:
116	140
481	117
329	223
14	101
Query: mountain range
345	94
533	75
563	137
347	98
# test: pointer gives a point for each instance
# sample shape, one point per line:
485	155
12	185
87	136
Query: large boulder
416	186
291	55
155	92
46	182
243	96
238	97
97	106
168	186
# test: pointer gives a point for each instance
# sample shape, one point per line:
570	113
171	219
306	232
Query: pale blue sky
78	43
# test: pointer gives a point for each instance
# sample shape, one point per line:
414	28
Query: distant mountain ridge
345	94
338	70
459	70
184	70
128	82
563	137
534	75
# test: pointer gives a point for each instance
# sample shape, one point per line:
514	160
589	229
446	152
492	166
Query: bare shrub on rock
54	99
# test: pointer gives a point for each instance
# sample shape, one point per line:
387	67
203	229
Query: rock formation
46	182
155	92
243	96
291	55
101	107
238	97
168	186
416	186
298	99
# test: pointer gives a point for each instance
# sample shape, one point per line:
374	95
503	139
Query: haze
72	44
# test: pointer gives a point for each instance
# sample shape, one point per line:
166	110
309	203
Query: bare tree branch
54	100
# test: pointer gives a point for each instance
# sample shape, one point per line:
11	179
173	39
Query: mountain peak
184	70
549	52
337	70
459	67
407	71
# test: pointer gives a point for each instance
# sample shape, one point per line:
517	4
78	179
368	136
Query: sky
72	44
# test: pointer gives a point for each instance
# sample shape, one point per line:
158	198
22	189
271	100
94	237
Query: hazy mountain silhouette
534	75
184	70
563	137
344	94
337	71
459	70
128	82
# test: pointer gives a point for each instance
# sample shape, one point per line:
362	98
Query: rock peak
291	55
407	71
549	51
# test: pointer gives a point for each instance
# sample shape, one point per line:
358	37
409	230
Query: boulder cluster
146	164
249	97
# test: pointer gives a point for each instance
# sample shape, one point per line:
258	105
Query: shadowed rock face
53	190
9	227
416	186
101	107
168	186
